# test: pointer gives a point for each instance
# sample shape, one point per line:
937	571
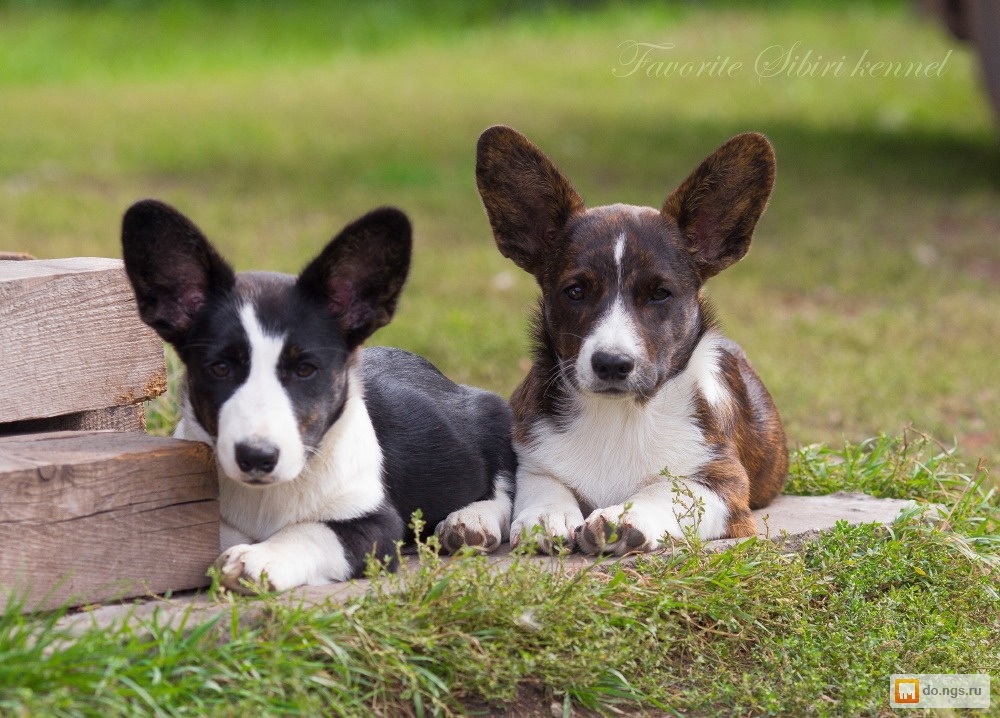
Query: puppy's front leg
543	501
481	525
300	554
230	536
665	506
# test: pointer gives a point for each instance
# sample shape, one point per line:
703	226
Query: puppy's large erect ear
527	200
717	207
359	275
172	267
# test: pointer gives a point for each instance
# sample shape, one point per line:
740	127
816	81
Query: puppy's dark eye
660	294
220	369
574	292
305	370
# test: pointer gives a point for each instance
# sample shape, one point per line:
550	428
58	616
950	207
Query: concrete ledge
787	516
799	514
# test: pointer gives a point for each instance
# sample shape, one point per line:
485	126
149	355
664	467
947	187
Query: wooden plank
71	340
115	418
97	516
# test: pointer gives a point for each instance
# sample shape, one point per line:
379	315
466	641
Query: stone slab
799	514
786	517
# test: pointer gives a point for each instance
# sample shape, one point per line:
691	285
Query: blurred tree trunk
976	22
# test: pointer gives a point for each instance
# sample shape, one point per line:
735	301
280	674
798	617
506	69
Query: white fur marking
341	481
260	413
188	427
619	253
666	507
489	518
704	367
614	333
301	554
542	500
613	451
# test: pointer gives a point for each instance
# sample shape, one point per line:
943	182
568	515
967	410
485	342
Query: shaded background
869	301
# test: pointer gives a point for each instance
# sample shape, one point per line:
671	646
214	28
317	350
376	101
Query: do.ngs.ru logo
940	690
906	690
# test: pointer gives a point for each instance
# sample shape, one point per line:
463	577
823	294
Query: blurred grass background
870	299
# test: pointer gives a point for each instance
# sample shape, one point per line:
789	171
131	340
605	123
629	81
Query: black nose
612	367
256	459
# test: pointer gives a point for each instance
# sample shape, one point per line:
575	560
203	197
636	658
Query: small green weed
910	466
763	627
870	299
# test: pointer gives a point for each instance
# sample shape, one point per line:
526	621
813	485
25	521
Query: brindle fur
705	225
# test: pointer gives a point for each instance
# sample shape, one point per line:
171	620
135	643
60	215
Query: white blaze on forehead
616	331
619	253
260	413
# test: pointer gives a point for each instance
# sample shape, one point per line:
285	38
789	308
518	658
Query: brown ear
527	200
359	275
718	206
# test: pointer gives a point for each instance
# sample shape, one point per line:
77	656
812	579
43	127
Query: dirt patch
531	701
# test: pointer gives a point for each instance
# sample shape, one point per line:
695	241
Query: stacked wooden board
91	508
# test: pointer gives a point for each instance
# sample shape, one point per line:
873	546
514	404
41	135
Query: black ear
172	267
718	206
361	272
527	200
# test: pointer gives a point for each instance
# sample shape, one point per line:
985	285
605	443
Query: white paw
551	529
620	531
470	527
255	564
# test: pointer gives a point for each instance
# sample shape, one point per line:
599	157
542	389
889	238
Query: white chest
341	480
614	447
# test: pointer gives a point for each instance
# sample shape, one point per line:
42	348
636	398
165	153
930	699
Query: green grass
761	628
869	303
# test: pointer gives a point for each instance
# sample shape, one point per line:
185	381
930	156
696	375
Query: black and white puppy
324	450
638	419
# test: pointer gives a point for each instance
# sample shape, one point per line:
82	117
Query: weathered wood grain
71	340
114	418
95	516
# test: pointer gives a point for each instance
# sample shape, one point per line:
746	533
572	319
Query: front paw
552	531
614	530
247	565
472	528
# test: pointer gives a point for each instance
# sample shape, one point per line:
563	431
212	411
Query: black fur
442	444
372	534
451	465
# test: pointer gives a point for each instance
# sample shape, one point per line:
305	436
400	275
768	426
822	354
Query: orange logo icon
907	690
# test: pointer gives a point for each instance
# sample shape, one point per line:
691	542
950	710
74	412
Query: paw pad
599	535
633	537
460	536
